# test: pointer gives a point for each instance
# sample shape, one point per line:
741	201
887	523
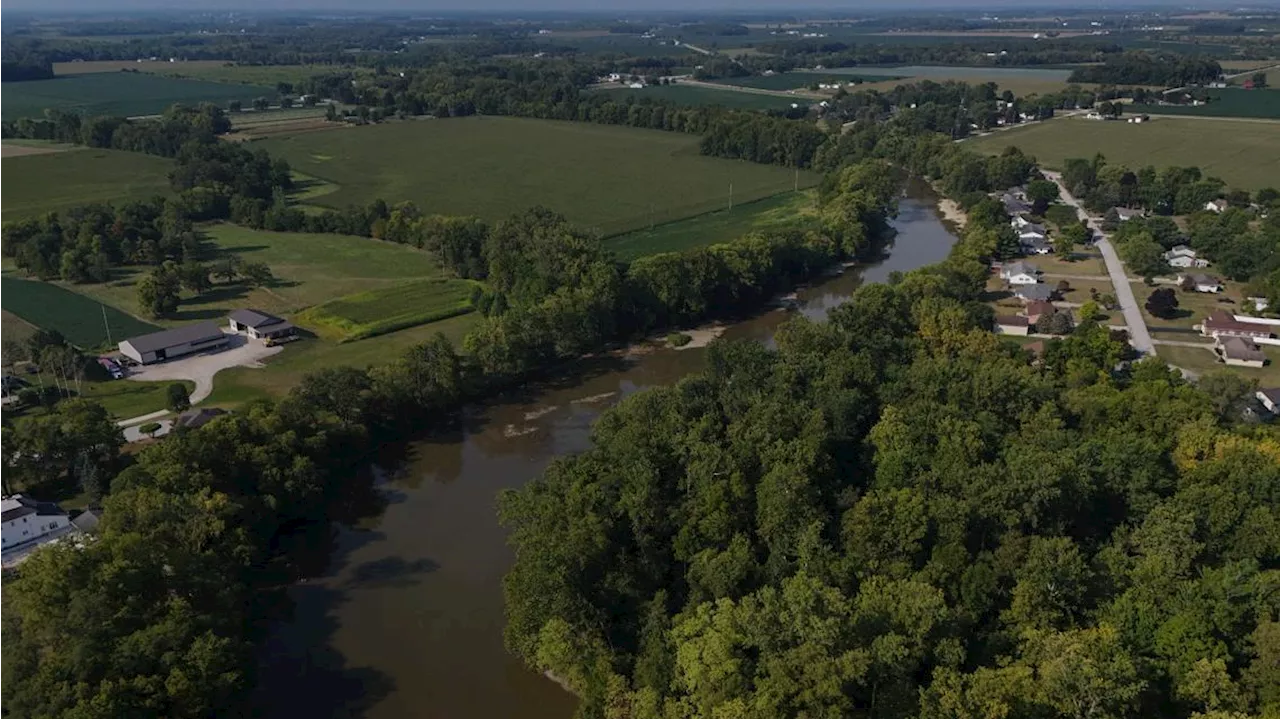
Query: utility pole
105	325
730	195
795	186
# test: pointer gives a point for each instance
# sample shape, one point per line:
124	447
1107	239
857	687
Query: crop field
118	93
79	318
368	314
264	75
613	179
1230	102
792	209
1244	154
309	269
1022	81
53	181
800	80
695	95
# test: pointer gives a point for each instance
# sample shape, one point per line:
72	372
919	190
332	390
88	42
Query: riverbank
952	213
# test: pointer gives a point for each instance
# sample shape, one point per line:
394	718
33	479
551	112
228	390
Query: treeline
785	55
19	71
1147	68
211	180
896	514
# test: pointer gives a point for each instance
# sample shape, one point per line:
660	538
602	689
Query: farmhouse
1013	205
1240	352
1020	273
1036	246
1184	257
258	325
1012	325
1200	282
167	344
28	523
1221	323
1216	206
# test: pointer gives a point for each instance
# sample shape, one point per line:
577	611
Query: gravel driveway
201	368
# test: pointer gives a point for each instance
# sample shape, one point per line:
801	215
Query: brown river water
406	621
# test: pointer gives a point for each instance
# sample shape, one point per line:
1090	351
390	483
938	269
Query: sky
606	6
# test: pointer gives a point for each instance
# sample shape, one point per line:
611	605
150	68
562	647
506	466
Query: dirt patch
951	212
10	150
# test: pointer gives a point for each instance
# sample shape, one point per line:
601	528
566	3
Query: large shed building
179	341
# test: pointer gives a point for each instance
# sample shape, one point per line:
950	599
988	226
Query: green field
309	269
60	180
792	209
377	312
1223	103
609	178
1244	154
79	318
263	75
694	95
118	93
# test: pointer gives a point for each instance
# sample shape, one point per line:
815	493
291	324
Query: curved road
1139	337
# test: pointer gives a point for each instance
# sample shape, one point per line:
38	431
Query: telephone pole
105	325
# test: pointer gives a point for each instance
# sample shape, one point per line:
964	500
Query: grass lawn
786	210
126	398
118	93
309	269
1244	154
83	320
1079	291
609	178
1205	361
52	181
1080	265
235	386
1192	308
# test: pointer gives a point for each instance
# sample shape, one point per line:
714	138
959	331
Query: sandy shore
703	336
951	211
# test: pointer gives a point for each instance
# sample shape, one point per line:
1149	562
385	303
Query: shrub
678	339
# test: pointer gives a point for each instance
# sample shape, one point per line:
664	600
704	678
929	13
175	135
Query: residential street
1139	337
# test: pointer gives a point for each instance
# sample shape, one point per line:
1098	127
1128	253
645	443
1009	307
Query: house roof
1223	320
1271	393
1203	279
1031	227
193	418
1240	348
17	506
1034	292
87	520
1014	268
1035	348
1039	307
1012	321
254	318
1127	212
187	334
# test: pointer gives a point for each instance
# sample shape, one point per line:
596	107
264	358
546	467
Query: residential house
1036	309
1200	282
1184	257
1013	205
88	520
179	341
1012	325
1270	398
1020	273
27	522
1034	293
1240	352
1221	323
1036	246
1124	214
259	325
1018	222
1032	232
1216	206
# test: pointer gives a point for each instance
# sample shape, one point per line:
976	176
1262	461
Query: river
407	619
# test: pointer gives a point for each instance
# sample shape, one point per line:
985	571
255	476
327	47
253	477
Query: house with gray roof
258	325
1034	293
27	522
177	342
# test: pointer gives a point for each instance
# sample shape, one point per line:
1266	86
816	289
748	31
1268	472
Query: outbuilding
259	325
177	342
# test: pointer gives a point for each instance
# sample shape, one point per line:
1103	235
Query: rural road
1139	337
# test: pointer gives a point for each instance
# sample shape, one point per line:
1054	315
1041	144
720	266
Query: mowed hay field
613	179
80	319
377	312
118	93
789	210
309	269
60	179
1244	154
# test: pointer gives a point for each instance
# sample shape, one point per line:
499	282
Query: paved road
142	418
1139	337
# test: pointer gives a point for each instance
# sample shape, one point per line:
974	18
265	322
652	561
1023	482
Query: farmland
686	94
309	269
1022	81
77	317
60	180
800	80
610	178
1230	102
118	93
1244	154
376	312
91	67
781	211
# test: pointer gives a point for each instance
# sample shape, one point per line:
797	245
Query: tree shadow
389	572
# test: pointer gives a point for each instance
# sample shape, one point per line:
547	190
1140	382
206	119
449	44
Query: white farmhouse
28	523
1184	257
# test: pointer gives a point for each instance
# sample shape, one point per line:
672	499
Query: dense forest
896	514
1146	68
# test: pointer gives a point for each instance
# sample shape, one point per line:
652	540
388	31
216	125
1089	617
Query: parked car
112	368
